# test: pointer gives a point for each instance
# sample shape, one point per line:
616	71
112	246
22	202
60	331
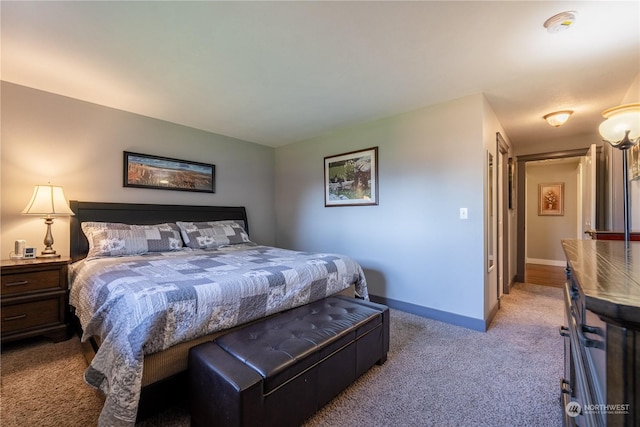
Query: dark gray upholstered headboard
134	213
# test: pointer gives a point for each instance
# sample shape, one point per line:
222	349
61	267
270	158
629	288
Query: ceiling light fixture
560	22
558	118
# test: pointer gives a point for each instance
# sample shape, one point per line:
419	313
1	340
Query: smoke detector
560	22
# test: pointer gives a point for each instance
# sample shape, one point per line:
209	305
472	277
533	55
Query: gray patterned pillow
213	234
115	239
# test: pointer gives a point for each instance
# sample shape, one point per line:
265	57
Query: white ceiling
280	72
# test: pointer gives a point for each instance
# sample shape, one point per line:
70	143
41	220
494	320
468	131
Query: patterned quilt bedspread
140	305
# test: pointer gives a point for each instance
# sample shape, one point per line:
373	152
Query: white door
587	194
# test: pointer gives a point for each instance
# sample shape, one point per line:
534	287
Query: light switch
464	214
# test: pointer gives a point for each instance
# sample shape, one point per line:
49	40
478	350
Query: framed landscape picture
351	179
163	173
551	199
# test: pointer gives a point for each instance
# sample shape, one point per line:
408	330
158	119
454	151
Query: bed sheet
140	305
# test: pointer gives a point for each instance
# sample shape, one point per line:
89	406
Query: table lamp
48	202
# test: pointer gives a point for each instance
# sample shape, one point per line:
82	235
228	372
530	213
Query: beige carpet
42	385
436	375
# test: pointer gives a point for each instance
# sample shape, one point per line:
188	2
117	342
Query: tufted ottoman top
284	345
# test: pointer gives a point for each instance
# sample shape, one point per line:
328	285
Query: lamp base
48	256
48	252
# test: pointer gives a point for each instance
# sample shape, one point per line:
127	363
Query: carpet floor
436	375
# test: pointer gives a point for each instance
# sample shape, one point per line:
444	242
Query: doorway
521	203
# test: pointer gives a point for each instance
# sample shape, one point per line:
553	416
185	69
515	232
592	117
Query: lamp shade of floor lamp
621	129
48	201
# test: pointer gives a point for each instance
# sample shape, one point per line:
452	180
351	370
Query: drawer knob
18	317
20	283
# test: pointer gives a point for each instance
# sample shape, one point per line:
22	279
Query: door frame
502	231
587	195
521	201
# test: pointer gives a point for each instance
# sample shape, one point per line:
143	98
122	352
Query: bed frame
166	392
164	389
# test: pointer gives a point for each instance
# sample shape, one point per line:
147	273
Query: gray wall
413	246
79	145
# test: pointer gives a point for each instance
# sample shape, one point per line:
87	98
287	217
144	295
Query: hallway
547	275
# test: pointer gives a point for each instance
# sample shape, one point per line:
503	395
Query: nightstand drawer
30	314
34	295
31	281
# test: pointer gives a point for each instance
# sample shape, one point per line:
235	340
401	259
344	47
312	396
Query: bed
140	310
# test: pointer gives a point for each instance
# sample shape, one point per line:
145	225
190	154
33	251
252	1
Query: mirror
490	211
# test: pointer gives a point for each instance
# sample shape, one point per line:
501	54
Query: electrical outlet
464	214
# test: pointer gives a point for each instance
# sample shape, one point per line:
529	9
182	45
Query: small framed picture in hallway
551	199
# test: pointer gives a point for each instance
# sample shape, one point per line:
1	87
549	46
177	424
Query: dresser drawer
30	281
31	314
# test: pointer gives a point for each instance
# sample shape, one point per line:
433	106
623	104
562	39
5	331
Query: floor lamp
621	129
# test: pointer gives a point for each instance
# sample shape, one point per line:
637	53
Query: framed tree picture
351	179
551	199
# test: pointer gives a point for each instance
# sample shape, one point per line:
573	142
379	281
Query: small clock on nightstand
34	299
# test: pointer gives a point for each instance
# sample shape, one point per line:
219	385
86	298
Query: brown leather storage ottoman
280	371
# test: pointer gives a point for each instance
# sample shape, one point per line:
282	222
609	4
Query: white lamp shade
618	121
48	200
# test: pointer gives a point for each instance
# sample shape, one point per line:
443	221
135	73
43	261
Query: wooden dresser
601	386
34	299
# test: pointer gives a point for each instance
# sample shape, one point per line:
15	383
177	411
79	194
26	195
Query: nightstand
34	299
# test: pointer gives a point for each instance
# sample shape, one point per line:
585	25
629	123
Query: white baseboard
556	263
